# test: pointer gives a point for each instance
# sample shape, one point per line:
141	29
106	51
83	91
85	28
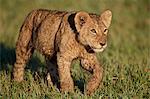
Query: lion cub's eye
93	31
105	31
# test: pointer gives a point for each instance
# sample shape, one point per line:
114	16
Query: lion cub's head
93	29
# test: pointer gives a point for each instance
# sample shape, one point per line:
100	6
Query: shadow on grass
8	58
80	83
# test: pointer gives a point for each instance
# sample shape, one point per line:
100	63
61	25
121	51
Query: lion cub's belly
45	44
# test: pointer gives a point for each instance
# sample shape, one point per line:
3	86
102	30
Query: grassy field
126	61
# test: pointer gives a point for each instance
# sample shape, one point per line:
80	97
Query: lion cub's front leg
90	63
66	82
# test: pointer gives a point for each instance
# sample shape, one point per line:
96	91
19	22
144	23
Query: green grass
126	61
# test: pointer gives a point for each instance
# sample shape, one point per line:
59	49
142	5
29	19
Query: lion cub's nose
102	44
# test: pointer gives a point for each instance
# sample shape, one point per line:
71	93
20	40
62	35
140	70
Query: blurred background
125	60
130	17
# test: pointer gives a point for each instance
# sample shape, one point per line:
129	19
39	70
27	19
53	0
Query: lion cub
67	35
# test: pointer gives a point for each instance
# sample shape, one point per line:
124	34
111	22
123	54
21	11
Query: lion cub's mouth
93	50
99	50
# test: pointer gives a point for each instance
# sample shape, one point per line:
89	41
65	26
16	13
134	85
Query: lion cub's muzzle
100	48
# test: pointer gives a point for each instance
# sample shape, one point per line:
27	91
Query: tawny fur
65	36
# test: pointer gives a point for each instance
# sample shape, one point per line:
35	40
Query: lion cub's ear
106	17
80	19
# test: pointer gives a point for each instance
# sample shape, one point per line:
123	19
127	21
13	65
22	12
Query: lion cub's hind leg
23	54
24	48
